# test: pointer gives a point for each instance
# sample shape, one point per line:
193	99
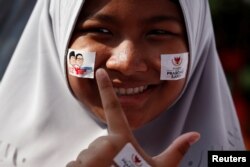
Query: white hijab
42	124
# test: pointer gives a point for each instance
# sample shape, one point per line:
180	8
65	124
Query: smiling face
128	38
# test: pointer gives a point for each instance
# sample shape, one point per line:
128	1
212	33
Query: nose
127	58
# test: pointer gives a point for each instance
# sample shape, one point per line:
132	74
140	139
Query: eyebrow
100	17
112	19
163	18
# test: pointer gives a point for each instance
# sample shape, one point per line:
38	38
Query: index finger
115	117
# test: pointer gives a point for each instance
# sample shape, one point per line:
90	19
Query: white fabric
42	124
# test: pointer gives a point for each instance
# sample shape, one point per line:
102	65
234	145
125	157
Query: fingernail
194	138
100	73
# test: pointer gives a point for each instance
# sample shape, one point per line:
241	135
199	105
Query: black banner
228	158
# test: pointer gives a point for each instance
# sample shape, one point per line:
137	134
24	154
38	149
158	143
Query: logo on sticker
177	61
81	63
137	161
129	157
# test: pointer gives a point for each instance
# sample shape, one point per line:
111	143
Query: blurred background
232	29
231	19
13	17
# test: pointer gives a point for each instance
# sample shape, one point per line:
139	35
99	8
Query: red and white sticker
174	66
129	157
81	63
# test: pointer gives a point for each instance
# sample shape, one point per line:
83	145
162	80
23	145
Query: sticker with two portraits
81	63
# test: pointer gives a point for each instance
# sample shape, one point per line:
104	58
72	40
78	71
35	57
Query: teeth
130	91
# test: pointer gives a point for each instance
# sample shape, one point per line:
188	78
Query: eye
97	31
159	32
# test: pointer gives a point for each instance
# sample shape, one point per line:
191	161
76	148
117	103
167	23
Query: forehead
131	9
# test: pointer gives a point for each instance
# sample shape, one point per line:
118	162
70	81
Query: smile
130	91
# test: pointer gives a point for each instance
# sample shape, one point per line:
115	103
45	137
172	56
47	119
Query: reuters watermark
228	158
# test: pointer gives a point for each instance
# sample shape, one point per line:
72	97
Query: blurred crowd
232	29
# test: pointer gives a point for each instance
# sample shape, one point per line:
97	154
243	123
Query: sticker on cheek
129	157
81	63
174	66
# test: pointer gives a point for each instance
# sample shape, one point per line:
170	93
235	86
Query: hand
102	151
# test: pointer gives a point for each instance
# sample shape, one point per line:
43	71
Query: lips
130	91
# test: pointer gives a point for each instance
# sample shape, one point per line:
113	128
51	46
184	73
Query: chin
136	122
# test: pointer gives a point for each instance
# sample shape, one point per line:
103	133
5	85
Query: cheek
176	46
77	86
169	93
85	90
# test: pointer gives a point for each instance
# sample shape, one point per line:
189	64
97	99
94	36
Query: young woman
157	76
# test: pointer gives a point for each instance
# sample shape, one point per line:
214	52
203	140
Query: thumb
173	155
